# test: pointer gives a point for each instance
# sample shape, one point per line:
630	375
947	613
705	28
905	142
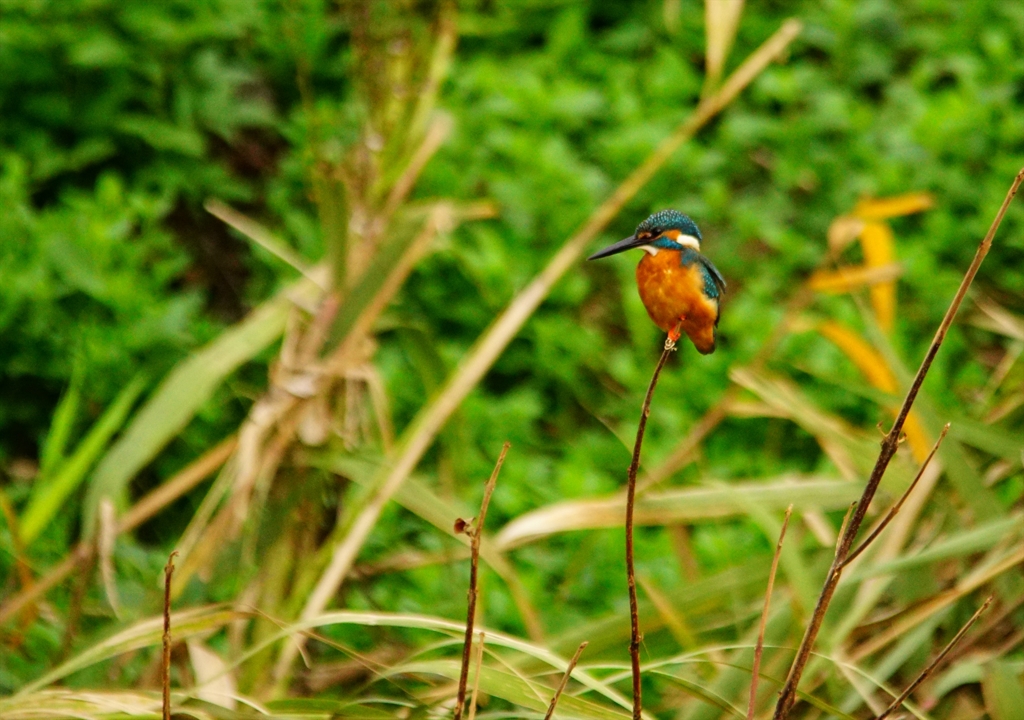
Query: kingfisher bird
679	287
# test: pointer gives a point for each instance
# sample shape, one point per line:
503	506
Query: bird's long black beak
627	244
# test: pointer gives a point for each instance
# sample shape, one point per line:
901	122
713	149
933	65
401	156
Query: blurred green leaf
517	690
1003	689
51	493
64	418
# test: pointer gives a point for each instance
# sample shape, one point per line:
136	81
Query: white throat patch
650	248
689	241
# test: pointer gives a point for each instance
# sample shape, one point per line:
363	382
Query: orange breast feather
672	292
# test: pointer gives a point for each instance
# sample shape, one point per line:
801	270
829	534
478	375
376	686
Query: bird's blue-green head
664	230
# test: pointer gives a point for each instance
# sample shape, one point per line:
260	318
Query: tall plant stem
165	661
634	615
787	697
475	533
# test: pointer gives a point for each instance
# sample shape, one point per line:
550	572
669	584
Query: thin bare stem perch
634	615
787	697
896	508
934	663
165	664
475	532
565	680
759	648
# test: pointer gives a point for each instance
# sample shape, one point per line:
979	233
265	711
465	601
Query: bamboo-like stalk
787	697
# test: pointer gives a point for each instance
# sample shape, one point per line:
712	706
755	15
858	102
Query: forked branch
899	503
889	444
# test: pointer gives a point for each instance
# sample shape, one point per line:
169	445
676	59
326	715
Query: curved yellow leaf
884	208
852	277
843	231
877	242
868	360
878	373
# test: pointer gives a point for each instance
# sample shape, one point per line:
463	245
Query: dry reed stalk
755	670
475	532
634	464
787	697
900	625
565	680
22	570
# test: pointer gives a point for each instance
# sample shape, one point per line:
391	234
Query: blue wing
714	283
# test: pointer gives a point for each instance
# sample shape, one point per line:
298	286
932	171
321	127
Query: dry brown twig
787	697
165	663
755	670
634	464
565	680
934	663
475	532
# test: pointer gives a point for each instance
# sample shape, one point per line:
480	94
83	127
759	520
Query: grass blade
49	496
679	506
63	423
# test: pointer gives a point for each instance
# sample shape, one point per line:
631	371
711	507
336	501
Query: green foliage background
118	120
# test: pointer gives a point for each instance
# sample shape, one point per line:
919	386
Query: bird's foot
673	335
